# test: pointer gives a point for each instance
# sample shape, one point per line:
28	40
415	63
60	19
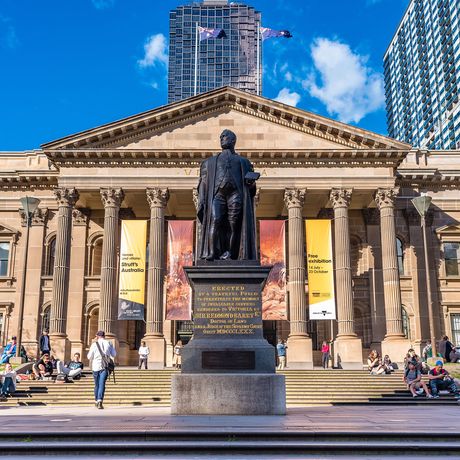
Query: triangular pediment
196	123
449	230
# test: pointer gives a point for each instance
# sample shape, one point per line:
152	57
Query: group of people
378	365
438	377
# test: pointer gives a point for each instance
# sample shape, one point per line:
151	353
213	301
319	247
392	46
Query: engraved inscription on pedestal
227	310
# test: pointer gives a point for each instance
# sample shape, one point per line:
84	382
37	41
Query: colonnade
348	347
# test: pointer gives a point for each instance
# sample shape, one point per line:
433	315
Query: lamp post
29	205
422	204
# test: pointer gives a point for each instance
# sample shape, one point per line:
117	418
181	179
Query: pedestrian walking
326	353
144	352
101	354
281	352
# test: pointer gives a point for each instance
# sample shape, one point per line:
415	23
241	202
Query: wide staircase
153	388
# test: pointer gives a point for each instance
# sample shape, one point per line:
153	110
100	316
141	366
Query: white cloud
154	85
102	4
155	51
8	37
348	87
288	76
286	97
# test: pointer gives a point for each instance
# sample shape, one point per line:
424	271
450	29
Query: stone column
300	351
347	346
33	294
372	220
111	199
66	198
394	344
157	198
77	280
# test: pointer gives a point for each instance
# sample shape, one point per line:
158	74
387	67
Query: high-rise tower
422	75
226	61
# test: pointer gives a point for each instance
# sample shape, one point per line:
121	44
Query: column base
123	353
396	348
348	353
299	353
60	347
157	346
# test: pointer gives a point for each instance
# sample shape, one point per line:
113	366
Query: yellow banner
131	291
320	269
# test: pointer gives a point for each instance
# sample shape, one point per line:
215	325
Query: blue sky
70	65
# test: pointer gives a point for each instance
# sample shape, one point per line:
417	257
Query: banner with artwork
131	290
320	269
180	255
272	252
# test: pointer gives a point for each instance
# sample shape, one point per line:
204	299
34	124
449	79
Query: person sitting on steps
8	381
413	379
373	361
43	368
441	380
73	369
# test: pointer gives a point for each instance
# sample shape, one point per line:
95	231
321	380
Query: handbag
107	362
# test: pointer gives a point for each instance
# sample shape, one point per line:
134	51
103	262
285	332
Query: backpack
107	361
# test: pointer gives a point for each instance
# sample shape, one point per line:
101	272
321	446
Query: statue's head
227	139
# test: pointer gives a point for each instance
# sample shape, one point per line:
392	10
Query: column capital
38	217
385	197
112	197
66	197
340	197
80	216
157	197
294	197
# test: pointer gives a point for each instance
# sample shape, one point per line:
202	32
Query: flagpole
258	59
196	59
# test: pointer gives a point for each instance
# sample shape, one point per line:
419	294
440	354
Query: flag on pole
206	33
265	32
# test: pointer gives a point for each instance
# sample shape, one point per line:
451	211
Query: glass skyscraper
422	74
230	61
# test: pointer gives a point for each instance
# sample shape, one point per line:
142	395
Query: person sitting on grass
43	368
373	361
441	380
8	380
413	380
455	355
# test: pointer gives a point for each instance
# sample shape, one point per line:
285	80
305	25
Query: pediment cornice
125	131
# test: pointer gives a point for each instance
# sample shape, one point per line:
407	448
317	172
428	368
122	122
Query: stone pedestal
228	367
228	394
348	353
396	348
299	354
157	356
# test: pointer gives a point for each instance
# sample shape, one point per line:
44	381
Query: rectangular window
451	258
4	258
455	323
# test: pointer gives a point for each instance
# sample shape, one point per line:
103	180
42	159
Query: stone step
233	442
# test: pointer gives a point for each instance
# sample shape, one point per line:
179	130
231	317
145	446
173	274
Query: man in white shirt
143	355
99	356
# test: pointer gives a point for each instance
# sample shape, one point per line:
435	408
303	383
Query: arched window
400	255
45	318
50	252
95	255
405	323
92	319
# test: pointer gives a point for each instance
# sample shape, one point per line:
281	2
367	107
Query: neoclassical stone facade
147	166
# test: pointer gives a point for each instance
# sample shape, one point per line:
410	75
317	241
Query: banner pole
196	59
258	60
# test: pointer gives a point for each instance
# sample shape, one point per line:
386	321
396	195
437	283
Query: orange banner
180	255
272	252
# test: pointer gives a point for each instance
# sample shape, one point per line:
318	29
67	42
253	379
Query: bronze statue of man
226	204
